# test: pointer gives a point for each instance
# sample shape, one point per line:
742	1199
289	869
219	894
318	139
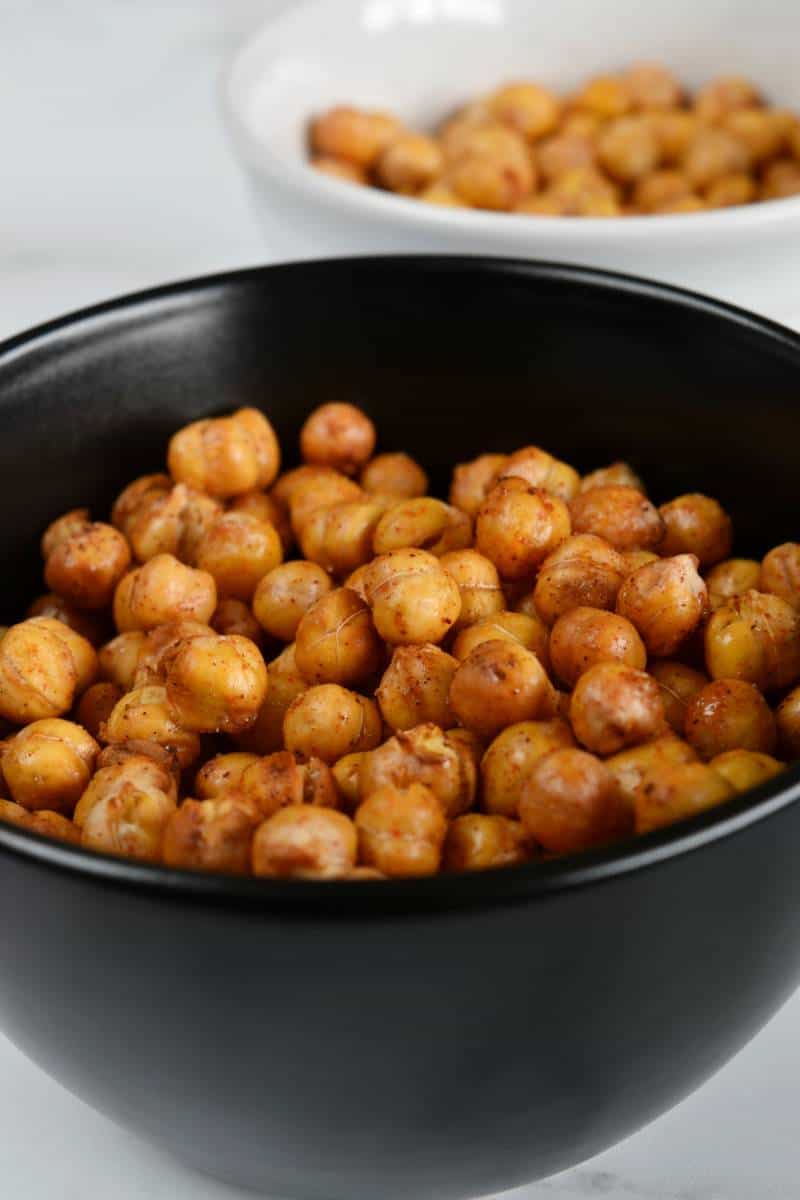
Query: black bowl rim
439	894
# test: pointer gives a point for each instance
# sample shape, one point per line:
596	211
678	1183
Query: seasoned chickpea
339	169
755	637
125	808
415	688
43	666
478	583
64	528
584	192
160	647
90	625
443	196
658	188
226	456
144	715
211	835
473	481
523	629
477	842
619	473
730	579
424	755
499	684
347	777
401	831
85	567
679	685
723	96
745	769
53	825
424	523
631	768
584	571
675	132
266	508
619	514
628	148
788	721
300	842
495	171
355	136
665	601
542	470
696	524
282	779
410	163
222	774
781	179
614	706
529	109
732	189
584	637
285	595
161	591
328	721
48	764
13	814
234	617
116	754
712	154
518	526
607	96
237	552
729	714
394	475
563	152
780	573
216	684
337	642
653	87
570	802
679	791
412	597
119	659
762	131
96	705
340	537
511	757
340	436
158	518
286	683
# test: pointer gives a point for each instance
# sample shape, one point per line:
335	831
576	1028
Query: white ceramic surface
422	58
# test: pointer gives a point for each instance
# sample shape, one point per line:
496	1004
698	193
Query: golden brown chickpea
732	189
570	802
477	842
523	629
499	684
685	204
62	529
628	148
114	755
614	706
347	777
478	583
425	523
119	659
424	755
237	552
632	767
584	571
265	508
222	774
511	757
44	665
211	835
679	791
711	154
340	436
86	566
394	475
745	769
340	537
518	526
443	196
755	637
401	831
96	705
290	485
581	122
299	842
584	192
529	109
729	714
234	617
788	721
657	188
355	136
679	685
157	518
285	595
653	88
412	597
619	473
621	515
53	825
226	456
48	765
282	779
125	808
144	715
161	591
665	601
216	684
339	169
730	579
563	152
723	96
495	170
410	163
415	688
584	637
637	558
781	179
473	481
675	132
541	470
160	647
328	721
92	626
337	642
286	683
780	573
606	96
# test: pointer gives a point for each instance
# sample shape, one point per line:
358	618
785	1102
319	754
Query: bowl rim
441	893
513	229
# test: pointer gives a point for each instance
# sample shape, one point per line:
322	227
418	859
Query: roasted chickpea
696	524
755	637
394	475
478	583
570	802
781	179
222	774
730	579
328	721
90	625
424	755
355	136
300	842
286	683
13	814
96	705
158	518
161	591
607	96
584	192
652	87
529	109
125	808
614	706
144	715
62	529
309	487
401	831
234	617
285	595
499	684
339	169
267	509
584	637
679	791
788	722
745	769
53	825
473	481
415	688
618	473
226	456
86	566
477	842
675	132
216	684
780	573
658	188
631	768
518	526
495	170
684	204
282	779
119	659
337	642
712	154
211	835
563	152
347	777
44	665
762	131
584	571
628	148
523	629
729	714
412	597
511	757
542	470
621	515
443	196
679	685
723	96
732	189
340	537
665	601
48	764
160	647
115	755
340	436
425	523
410	163
237	552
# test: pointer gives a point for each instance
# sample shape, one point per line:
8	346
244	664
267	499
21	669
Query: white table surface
115	175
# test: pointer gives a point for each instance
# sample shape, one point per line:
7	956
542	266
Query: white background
114	174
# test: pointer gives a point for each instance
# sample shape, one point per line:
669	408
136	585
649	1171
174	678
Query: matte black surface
449	1037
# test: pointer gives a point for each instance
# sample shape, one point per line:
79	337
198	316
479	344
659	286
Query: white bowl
423	58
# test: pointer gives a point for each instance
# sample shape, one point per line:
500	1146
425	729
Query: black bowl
446	1037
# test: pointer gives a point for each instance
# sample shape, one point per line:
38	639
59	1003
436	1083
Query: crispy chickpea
410	163
696	524
542	470
300	842
216	684
584	192
478	583
412	597
160	647
114	755
518	526
788	722
401	831
62	529
291	485
675	132
125	808
347	777
730	190
584	571
339	169
755	637
158	518
237	552
424	755
679	791
653	88
480	842
473	481
355	136
48	764
90	625
730	579
618	473
570	802
523	629
628	148
632	767
340	537
511	757
285	595
619	514
660	187
266	508
498	684
781	179
729	714
119	659
425	523
712	154
724	95
286	683
563	152
211	835
144	715
161	591
679	685
337	642
222	774
441	195
583	637
415	688
531	110
53	825
86	566
328	721
394	475
282	779
96	705
780	573
43	666
340	436
13	814
495	170
762	130
665	601
234	617
745	769
614	706
226	456
607	96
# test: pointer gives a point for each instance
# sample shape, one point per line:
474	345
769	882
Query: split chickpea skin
330	674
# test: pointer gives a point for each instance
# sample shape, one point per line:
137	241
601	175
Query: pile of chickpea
327	673
636	143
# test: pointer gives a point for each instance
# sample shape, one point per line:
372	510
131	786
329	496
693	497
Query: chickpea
347	777
529	632
570	802
746	769
90	625
518	526
620	515
160	647
541	470
730	190
234	617
394	475
660	187
723	96
712	154
696	524
299	842
410	163
336	640
291	485
631	768
161	591
788	722
512	756
356	137
478	583
339	169
477	842
424	523
665	601
755	637
86	566
653	88
43	666
584	637
529	109
563	152
222	775
585	192
607	96
677	792
96	705
237	552
285	595
340	538
280	779
580	122
125	809
226	456
53	825
619	473
211	835
115	755
628	148
158	518
675	132
731	578
119	659
265	508
729	714
780	573
443	196
13	814
584	571
781	179
144	715
415	688
499	684
424	755
614	706
401	831
412	597
328	721
495	170
62	529
679	685
48	764
286	683
216	684
473	481
340	436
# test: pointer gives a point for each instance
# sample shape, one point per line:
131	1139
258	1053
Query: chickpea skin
780	573
394	475
512	756
226	456
299	842
499	684
473	481
614	706
356	137
585	571
328	721
222	774
119	659
696	524
729	714
337	642
788	722
620	515
285	595
339	436
755	637
96	705
480	842
542	470
413	599
160	647
665	601
161	591
43	666
237	552
158	518
679	791
234	617
679	685
746	769
144	715
584	637
48	765
518	526
410	163
731	578
401	831
425	523
570	802
415	688
478	583
211	835
522	629
216	684
424	755
125	809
